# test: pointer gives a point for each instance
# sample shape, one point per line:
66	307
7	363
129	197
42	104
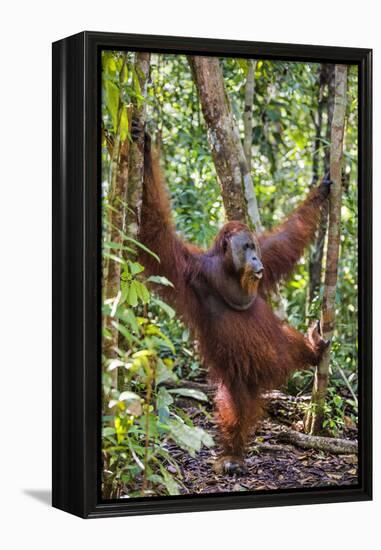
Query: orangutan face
245	253
246	259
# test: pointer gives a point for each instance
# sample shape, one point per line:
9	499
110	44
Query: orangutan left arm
282	247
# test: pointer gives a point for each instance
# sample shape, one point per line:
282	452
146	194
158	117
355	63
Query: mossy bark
136	155
227	151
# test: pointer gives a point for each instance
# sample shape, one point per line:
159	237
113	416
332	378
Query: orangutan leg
237	414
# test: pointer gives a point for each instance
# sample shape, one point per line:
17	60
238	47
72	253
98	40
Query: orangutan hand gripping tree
221	293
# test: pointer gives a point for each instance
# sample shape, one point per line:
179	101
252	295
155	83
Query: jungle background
158	433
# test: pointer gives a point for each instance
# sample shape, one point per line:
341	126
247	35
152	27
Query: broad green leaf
187	438
112	101
206	438
132	296
189	392
141	291
163	373
135	267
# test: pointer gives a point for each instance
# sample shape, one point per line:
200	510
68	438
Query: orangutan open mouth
250	279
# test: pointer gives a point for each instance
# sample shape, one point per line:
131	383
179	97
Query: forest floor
271	464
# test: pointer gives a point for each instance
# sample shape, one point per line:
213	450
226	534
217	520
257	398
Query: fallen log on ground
208	388
328	444
269	448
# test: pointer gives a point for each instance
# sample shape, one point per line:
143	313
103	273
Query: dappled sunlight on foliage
142	391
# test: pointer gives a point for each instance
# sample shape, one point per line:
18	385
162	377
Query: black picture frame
76	273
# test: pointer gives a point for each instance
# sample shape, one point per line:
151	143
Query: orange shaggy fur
247	352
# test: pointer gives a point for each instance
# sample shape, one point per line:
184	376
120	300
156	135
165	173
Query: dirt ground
271	464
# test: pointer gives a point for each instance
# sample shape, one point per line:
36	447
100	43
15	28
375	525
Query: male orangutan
221	294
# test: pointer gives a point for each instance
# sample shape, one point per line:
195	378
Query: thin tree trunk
314	420
228	155
318	126
248	112
327	79
125	188
136	158
134	163
278	303
118	185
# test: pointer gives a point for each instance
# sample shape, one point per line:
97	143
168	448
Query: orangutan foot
314	335
231	465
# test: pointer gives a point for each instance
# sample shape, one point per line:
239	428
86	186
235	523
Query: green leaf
126	333
244	65
140	245
154	331
135	267
206	438
112	101
128	396
165	307
171	485
137	89
142	292
188	392
187	438
163	401
159	280
132	296
114	258
108	431
124	124
133	402
156	479
163	373
115	363
128	316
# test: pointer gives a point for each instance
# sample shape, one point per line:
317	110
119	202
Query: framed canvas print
212	274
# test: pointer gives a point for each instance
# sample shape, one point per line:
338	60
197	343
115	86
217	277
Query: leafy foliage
142	417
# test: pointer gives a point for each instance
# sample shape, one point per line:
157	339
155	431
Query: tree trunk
277	301
135	168
117	192
248	112
327	80
228	155
315	417
136	157
125	189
